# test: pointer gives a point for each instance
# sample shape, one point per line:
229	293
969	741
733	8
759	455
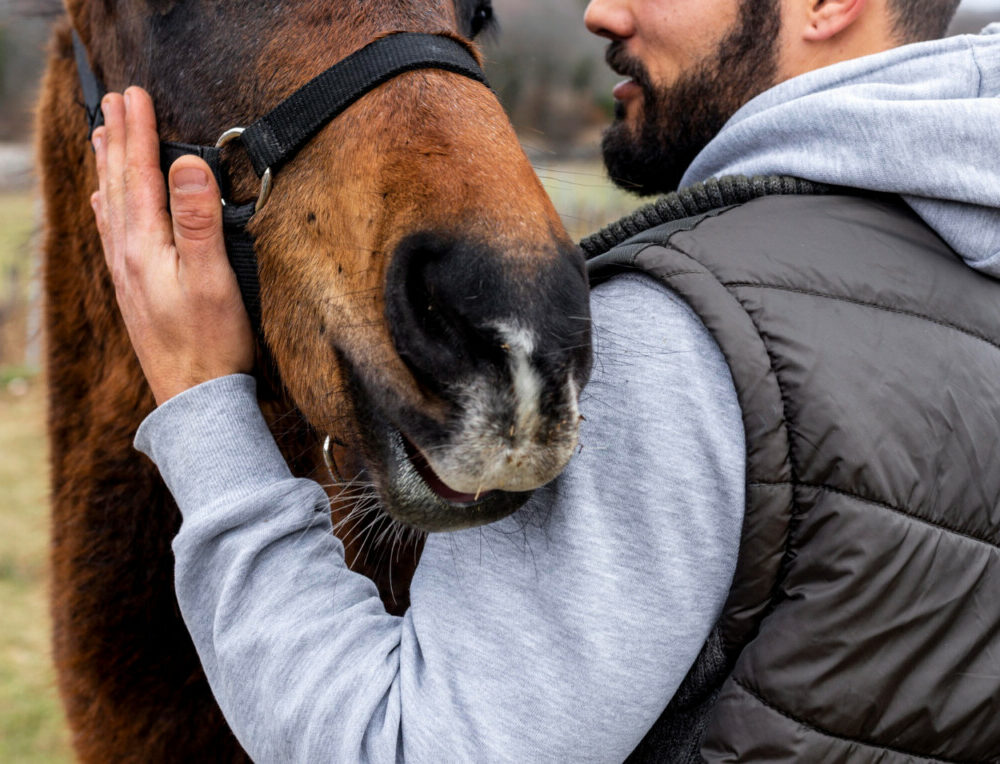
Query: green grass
32	729
17	225
17	268
31	722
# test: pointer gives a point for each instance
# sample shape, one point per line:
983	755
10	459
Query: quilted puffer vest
863	624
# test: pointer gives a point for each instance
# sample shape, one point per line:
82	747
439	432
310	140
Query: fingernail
127	100
190	179
98	141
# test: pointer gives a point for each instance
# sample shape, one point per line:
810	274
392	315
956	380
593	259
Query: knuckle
138	178
222	295
214	292
133	265
198	223
118	278
115	184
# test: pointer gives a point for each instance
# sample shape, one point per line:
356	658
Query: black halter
276	137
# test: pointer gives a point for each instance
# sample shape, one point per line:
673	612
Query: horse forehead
259	8
252	8
253	26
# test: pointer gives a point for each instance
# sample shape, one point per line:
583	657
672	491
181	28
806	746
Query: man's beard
678	121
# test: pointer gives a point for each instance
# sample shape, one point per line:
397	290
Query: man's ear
828	18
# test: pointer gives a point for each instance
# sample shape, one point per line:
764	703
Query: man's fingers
145	189
203	268
100	215
100	141
113	106
95	205
196	208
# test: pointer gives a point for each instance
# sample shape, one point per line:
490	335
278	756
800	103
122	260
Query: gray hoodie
922	121
557	634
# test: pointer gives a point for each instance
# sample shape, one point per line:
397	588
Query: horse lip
411	500
403	492
411	462
433	481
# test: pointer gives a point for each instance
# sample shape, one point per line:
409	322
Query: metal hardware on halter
266	179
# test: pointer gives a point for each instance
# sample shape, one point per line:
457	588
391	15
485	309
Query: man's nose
612	19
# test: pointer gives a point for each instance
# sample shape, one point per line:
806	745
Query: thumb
196	209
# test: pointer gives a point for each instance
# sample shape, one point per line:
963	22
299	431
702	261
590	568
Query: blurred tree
548	72
545	66
24	30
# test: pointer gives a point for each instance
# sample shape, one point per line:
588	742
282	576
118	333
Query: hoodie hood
921	121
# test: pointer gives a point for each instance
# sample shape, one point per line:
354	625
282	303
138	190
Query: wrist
169	382
212	441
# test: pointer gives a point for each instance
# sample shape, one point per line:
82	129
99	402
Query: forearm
289	637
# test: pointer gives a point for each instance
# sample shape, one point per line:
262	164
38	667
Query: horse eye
481	18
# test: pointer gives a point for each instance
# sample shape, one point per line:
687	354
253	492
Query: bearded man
780	539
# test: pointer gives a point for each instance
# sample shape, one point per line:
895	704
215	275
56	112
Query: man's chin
637	164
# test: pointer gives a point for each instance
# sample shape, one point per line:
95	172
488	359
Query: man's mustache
622	63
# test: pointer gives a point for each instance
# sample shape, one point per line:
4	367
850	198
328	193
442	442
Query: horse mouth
423	468
400	478
411	493
474	450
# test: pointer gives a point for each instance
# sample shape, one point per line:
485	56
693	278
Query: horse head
420	299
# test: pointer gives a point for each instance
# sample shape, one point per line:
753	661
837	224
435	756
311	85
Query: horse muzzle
502	342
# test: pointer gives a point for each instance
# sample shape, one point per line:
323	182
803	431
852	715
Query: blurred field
583	196
17	228
32	729
31	724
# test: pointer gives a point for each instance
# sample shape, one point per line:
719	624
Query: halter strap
275	138
93	89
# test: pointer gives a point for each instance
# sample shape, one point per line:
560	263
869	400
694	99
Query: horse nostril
439	309
455	306
429	302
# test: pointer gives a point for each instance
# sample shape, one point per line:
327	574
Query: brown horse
421	305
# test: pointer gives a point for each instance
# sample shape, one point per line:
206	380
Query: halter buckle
266	179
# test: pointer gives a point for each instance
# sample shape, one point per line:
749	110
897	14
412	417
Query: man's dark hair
918	20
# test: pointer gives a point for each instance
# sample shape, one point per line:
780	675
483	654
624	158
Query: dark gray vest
864	619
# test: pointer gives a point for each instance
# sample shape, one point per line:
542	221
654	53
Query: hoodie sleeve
557	634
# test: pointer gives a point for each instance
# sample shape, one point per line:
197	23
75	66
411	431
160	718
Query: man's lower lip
625	90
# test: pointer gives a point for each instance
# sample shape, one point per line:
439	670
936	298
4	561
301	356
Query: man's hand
175	289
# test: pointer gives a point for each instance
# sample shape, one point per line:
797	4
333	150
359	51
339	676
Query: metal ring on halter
265	182
331	463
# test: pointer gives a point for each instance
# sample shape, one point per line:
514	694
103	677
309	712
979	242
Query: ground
32	729
31	723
